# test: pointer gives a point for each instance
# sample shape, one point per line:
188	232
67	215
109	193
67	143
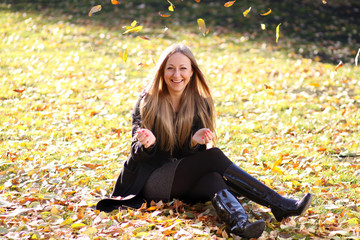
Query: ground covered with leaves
287	112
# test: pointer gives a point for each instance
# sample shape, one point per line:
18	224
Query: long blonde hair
157	111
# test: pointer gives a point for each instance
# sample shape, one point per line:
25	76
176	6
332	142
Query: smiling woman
173	121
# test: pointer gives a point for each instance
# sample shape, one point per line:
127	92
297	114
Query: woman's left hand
203	136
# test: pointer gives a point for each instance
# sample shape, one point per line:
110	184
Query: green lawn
66	96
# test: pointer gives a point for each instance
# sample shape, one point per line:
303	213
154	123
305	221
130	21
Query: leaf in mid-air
263	26
246	12
95	9
357	57
197	1
115	2
164	15
229	4
324	1
339	65
267	13
202	26
171	7
277	32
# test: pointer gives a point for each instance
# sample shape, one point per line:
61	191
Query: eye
170	68
183	68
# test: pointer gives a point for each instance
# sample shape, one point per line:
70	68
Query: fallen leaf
229	4
95	9
267	13
19	90
78	225
124	54
67	222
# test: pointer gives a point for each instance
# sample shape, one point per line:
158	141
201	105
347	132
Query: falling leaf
145	38
115	2
197	1
202	26
229	4
324	1
357	57
164	15
277	32
133	24
263	26
339	65
171	7
246	12
133	27
267	13
95	9
124	55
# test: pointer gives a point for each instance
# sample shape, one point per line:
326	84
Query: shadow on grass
309	29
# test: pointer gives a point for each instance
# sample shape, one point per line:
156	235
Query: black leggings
199	176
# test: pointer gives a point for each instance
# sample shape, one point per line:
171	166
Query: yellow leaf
78	225
133	24
171	7
124	55
229	4
246	12
95	9
267	13
278	162
353	221
357	57
135	29
277	170
339	65
90	231
277	32
202	26
263	26
54	210
67	221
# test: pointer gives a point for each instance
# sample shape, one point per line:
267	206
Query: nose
177	73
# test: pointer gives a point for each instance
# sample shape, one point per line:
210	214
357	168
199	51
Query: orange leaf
277	170
146	38
95	9
339	65
229	4
115	2
324	1
19	90
197	1
321	149
278	162
164	15
267	86
314	84
267	13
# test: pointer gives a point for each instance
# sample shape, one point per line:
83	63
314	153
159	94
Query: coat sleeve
138	151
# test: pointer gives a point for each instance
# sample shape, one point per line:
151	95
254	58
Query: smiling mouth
176	81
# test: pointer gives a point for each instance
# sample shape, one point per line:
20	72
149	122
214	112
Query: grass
65	131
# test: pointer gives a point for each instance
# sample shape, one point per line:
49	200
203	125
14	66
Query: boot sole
253	230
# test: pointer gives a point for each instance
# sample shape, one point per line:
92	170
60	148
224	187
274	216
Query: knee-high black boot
233	214
246	185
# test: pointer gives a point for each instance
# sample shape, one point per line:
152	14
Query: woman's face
177	73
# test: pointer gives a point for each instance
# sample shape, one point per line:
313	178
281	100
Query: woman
173	120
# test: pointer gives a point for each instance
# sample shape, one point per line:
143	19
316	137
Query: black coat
141	162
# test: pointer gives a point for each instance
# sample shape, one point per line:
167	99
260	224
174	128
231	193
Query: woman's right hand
145	137
203	136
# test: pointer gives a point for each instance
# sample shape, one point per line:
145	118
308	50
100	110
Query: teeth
176	81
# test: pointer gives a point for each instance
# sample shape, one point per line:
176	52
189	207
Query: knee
216	152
